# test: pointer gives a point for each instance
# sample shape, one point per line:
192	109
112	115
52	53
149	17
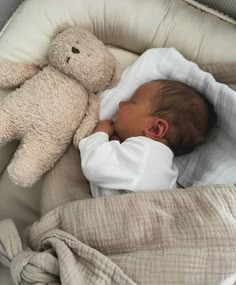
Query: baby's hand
105	126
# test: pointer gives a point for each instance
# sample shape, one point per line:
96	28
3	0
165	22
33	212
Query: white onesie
137	164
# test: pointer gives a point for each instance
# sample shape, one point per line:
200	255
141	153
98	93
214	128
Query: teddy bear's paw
89	121
22	176
79	135
85	129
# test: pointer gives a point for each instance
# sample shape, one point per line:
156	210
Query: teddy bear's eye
75	50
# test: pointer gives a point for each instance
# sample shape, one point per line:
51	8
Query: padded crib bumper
130	25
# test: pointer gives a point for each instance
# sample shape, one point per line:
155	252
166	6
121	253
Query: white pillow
215	161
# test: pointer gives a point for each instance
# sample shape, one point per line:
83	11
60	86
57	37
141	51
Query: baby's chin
117	132
115	127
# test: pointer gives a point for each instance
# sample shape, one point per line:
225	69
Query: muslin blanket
180	237
213	162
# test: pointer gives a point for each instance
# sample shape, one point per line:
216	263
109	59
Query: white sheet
215	161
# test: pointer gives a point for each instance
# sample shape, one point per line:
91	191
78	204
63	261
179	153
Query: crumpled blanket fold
60	259
181	236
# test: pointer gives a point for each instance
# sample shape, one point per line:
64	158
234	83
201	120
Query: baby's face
133	115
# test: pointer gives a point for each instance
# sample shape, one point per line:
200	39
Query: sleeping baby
162	119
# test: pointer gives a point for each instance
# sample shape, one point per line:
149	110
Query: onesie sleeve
111	164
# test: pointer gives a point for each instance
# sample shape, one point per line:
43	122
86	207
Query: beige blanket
184	236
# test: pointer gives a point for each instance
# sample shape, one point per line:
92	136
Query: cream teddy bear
55	103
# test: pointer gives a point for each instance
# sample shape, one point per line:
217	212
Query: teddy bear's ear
60	29
116	75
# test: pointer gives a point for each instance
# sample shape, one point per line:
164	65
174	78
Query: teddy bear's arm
12	74
89	121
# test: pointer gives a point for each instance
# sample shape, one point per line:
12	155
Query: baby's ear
156	129
116	75
12	74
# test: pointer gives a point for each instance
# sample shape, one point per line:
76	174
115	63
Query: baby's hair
189	115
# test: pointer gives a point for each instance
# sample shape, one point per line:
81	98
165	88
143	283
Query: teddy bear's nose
75	50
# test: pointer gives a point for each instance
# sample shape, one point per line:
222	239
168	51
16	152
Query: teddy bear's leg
8	129
33	158
89	121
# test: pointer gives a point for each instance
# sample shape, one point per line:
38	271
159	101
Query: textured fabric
132	26
22	118
20	204
182	237
7	7
200	37
67	174
225	73
137	164
227	7
212	10
64	183
56	103
74	261
6	151
210	163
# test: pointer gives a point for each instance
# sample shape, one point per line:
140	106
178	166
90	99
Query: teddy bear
54	103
